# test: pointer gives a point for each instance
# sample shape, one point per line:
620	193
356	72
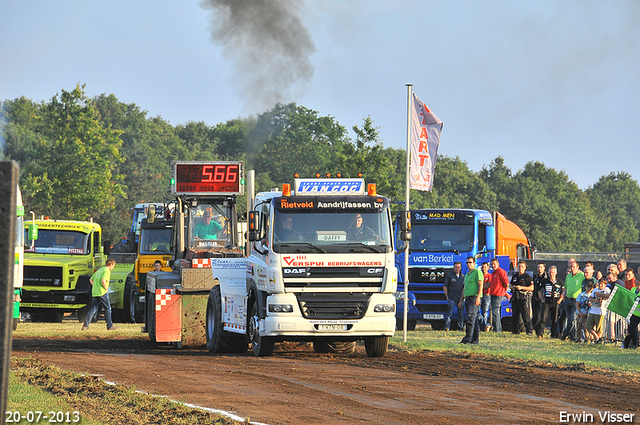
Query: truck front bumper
294	326
54	299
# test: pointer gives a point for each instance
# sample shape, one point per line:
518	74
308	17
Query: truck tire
219	340
261	346
334	347
376	346
411	324
437	325
129	305
82	313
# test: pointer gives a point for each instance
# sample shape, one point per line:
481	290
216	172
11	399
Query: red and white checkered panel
168	315
201	263
163	296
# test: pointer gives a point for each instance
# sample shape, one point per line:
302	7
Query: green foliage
616	198
293	139
100	157
69	161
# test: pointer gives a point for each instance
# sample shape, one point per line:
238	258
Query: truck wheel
82	313
437	325
262	346
334	347
129	305
376	346
219	340
411	324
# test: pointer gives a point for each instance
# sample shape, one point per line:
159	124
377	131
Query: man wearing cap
207	229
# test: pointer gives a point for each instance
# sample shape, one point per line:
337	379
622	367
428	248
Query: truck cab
321	267
441	237
57	268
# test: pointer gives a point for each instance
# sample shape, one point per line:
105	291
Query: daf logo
374	271
294	271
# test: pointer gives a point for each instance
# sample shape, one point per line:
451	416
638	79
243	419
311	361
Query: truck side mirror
32	232
151	213
491	238
106	247
253	224
405	226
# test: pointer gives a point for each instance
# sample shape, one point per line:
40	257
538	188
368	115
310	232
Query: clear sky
553	81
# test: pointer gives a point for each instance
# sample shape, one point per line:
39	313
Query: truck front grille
323	306
333	277
43	276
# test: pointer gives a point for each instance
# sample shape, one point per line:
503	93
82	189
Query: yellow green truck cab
58	264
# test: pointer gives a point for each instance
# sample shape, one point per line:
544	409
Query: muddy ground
298	386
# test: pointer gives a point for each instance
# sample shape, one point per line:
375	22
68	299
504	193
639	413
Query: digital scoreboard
207	178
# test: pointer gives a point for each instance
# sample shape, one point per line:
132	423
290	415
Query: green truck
60	257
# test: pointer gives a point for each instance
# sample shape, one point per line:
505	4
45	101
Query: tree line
98	157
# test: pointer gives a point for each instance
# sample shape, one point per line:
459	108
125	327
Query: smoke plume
268	44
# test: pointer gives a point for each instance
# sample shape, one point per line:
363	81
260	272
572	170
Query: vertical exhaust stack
251	196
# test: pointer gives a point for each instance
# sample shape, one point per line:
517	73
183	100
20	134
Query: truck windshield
59	242
210	226
155	241
441	238
341	232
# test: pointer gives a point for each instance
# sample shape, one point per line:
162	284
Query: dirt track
298	386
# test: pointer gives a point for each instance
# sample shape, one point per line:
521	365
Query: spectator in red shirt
630	281
485	306
499	283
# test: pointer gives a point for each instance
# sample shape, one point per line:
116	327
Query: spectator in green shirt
572	288
471	297
100	292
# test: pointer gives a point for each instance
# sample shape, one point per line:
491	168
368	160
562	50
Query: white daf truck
321	269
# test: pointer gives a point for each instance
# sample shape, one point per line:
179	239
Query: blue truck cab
440	237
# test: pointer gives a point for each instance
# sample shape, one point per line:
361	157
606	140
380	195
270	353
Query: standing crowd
572	307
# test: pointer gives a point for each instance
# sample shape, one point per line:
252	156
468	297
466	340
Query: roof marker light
371	189
286	189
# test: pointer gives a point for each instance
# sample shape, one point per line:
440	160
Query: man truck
320	268
440	237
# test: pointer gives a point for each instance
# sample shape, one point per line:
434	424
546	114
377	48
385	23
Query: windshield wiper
363	245
294	244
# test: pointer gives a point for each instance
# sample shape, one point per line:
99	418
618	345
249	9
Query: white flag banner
425	140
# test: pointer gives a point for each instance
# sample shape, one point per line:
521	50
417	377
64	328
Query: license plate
332	327
433	316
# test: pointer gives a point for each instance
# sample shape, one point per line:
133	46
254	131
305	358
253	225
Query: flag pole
406	208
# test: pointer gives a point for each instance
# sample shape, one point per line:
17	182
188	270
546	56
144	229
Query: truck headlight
384	308
280	308
70	298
